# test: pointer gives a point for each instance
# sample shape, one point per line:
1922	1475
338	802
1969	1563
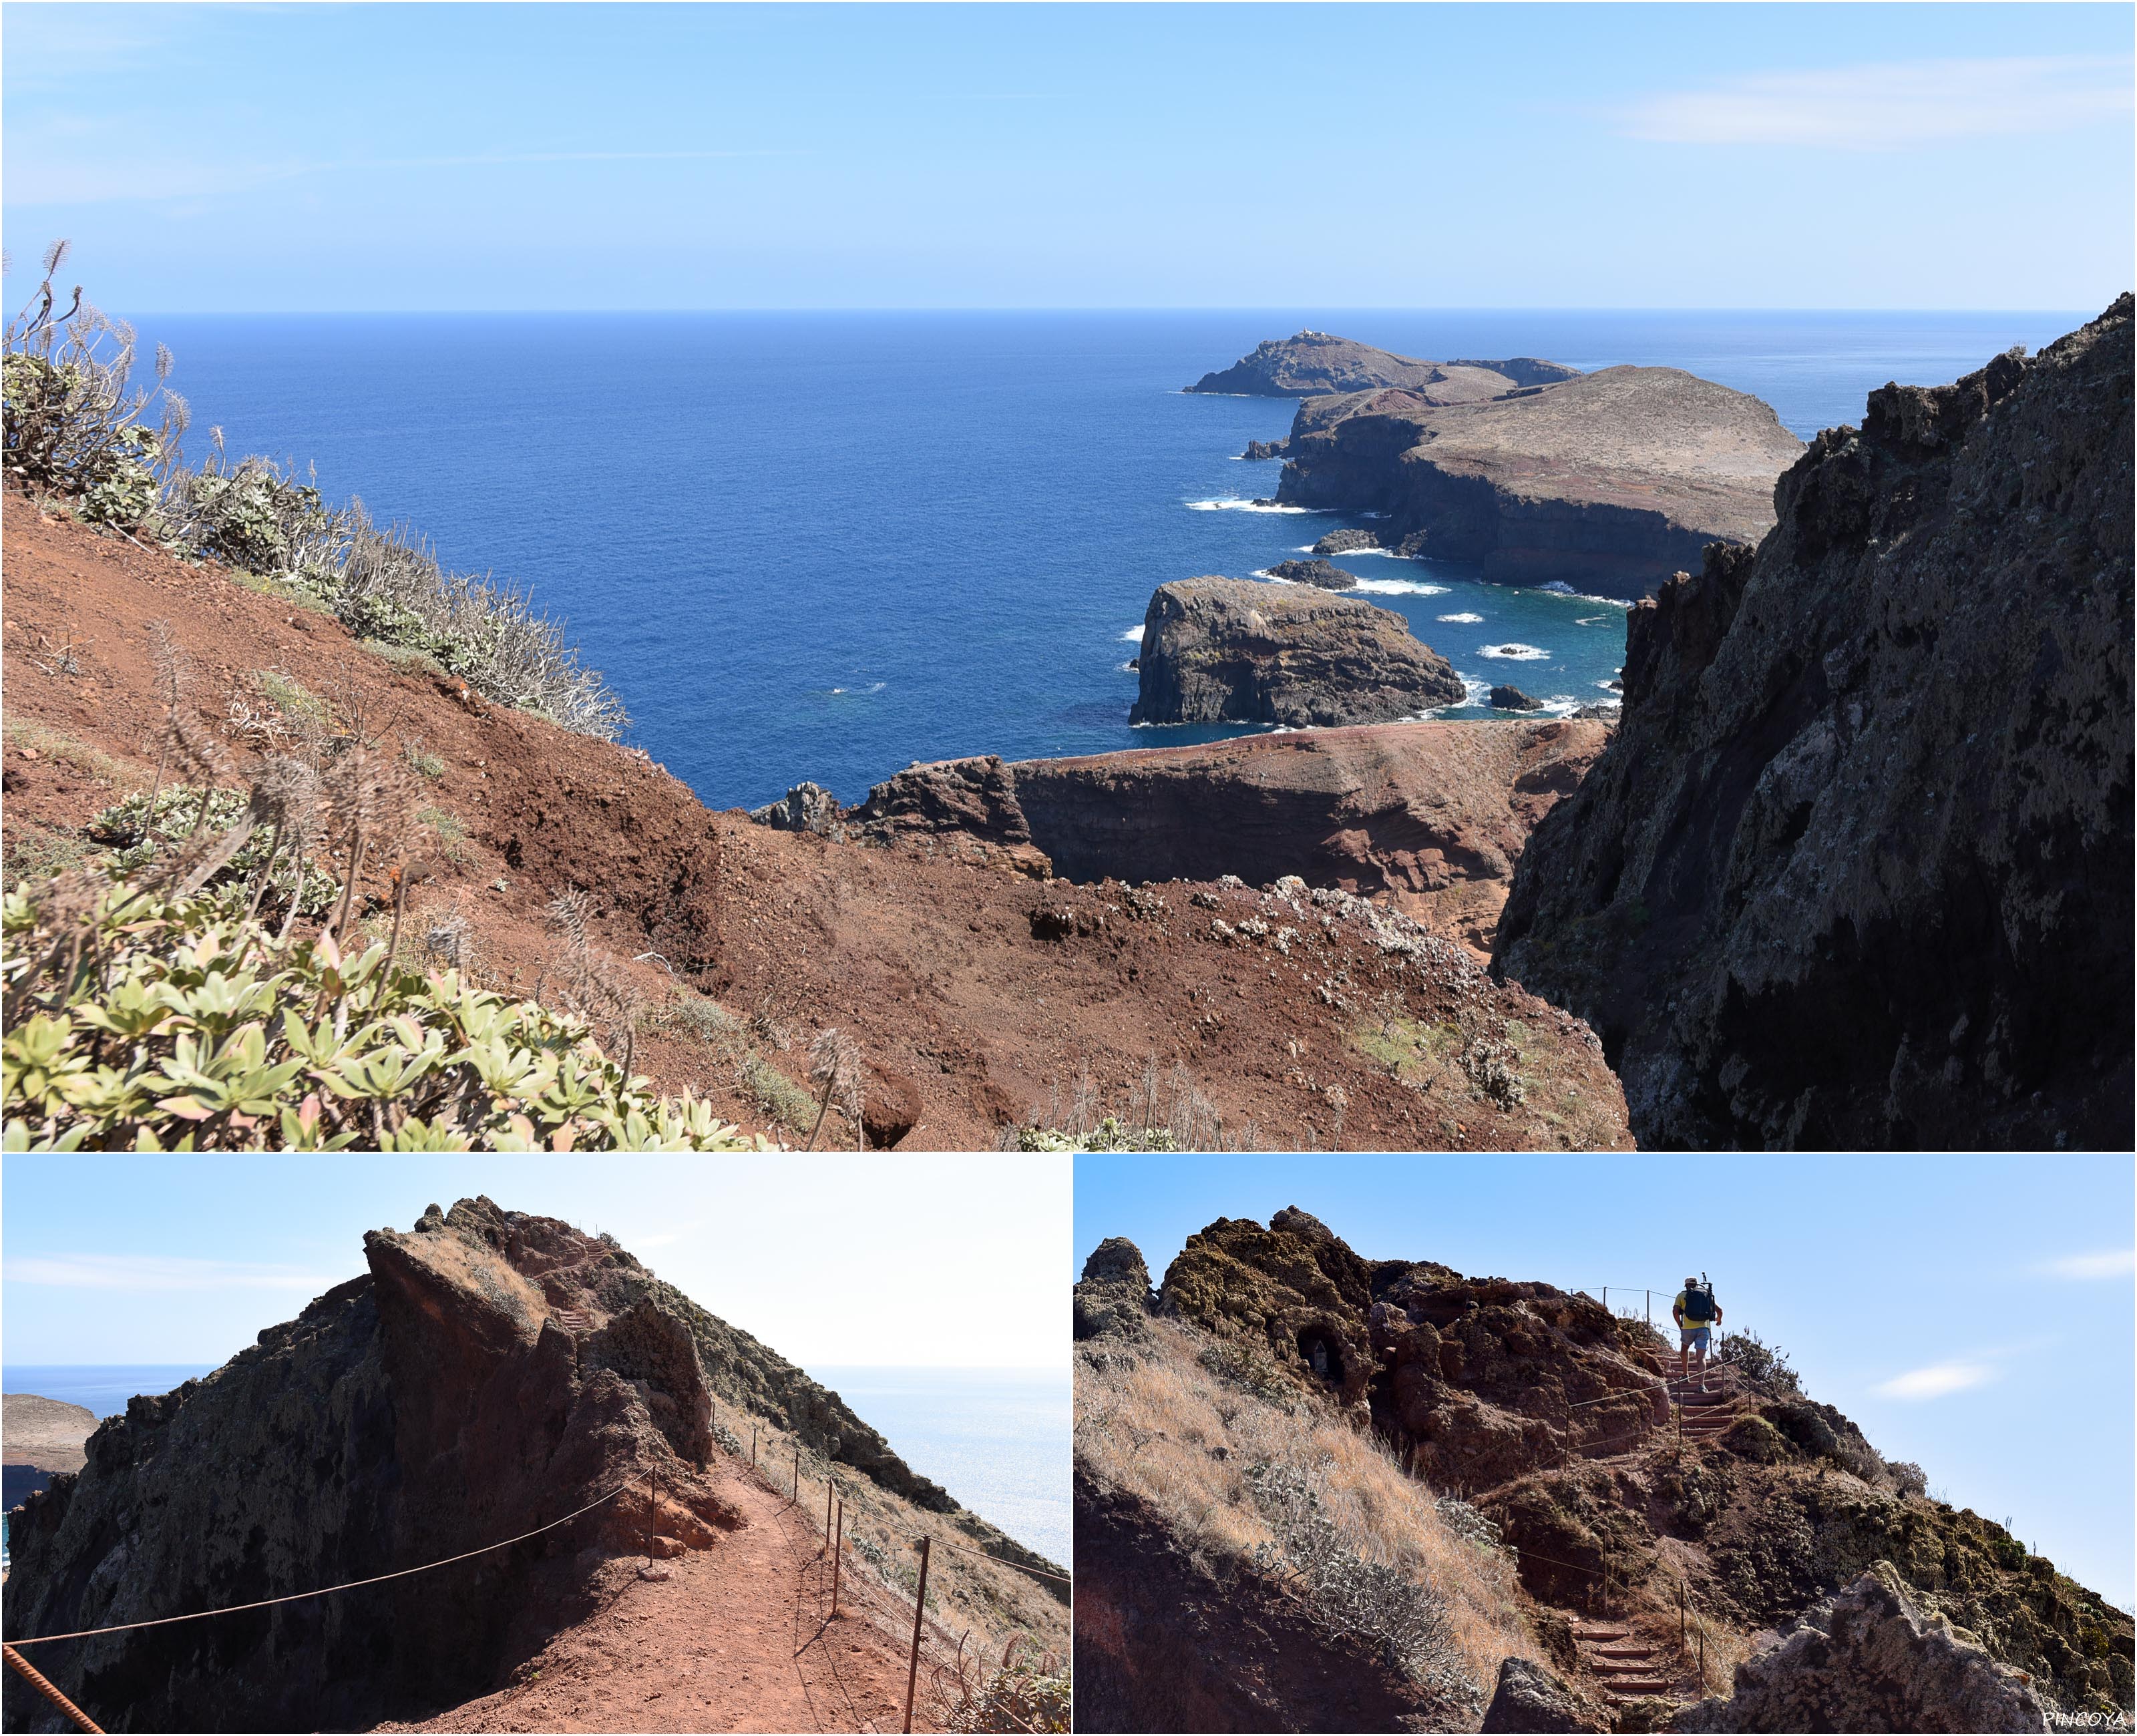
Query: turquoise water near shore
823	546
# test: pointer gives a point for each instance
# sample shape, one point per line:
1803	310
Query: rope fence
232	1609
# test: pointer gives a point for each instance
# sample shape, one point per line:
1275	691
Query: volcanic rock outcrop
1857	870
1867	1659
1554	1417
1507	697
1235	650
1113	1295
1313	362
43	1436
1433	815
1610	481
492	1372
1322	574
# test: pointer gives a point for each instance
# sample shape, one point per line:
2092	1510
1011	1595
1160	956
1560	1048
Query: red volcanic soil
736	1637
977	996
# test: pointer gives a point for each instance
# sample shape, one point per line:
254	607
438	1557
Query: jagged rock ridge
1549	1413
492	1371
1857	869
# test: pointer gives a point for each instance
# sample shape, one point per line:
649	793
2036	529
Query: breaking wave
1236	505
1465	618
1401	587
1514	652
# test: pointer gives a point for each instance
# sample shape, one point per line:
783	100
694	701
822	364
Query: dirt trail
732	1638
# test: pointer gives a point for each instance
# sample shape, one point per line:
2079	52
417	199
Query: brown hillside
977	998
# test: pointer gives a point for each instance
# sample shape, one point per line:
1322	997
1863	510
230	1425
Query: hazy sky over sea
1971	1314
942	1261
448	157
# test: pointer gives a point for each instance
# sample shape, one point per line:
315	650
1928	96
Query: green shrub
778	1097
134	841
136	1021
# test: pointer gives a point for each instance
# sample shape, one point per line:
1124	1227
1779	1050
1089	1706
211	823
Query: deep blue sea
998	1439
824	546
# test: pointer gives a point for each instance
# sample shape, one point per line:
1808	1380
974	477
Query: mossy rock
1756	1439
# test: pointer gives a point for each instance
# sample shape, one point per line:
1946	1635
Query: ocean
998	1439
824	546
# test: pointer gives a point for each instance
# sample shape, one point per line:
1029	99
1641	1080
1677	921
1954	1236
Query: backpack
1698	1306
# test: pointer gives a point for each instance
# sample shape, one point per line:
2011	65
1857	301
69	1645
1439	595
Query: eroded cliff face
1432	815
492	1372
1857	869
1236	650
1609	482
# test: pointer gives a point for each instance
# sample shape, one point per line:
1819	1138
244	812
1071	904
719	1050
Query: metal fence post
753	1447
919	1614
829	1481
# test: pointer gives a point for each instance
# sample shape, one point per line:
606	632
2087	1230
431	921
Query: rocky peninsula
1857	870
1610	481
42	1437
1236	650
1312	363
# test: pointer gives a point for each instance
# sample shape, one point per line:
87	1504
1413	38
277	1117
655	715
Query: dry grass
1153	1426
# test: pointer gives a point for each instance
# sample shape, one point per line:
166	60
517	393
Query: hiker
1695	1312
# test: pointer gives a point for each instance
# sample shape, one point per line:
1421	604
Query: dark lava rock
1114	1297
805	808
1867	1659
436	1403
1342	541
1530	1698
1505	697
1234	650
1320	574
1856	870
1314	363
1609	482
1257	451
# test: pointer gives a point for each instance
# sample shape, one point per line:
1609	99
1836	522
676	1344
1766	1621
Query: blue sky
446	157
1972	1315
842	1262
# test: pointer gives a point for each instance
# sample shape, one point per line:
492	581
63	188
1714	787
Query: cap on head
1690	1281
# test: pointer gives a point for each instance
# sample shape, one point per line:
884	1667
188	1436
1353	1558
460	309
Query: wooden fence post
838	1553
919	1614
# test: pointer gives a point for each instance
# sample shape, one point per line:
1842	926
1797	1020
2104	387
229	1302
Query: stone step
1637	1653
1641	1667
1602	1633
1624	1694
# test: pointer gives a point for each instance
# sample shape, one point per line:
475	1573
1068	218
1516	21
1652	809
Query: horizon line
1109	308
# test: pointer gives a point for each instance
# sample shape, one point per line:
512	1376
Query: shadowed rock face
1868	1659
432	1406
493	1371
1315	362
1234	650
1857	869
1609	482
